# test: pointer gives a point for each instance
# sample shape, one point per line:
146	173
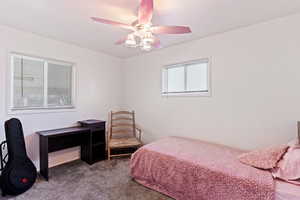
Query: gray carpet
106	180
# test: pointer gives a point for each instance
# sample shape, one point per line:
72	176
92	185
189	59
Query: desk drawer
64	142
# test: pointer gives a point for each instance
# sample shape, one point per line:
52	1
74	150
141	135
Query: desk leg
44	157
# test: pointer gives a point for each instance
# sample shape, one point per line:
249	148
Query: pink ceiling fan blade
145	11
114	23
156	43
121	41
171	29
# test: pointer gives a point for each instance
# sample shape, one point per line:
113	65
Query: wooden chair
123	132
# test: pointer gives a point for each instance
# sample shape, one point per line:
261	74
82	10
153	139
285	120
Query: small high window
189	78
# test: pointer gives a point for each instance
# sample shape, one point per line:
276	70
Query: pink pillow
264	158
288	168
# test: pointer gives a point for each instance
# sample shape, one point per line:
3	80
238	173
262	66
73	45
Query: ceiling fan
144	34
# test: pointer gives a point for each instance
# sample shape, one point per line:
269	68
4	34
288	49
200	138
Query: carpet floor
106	180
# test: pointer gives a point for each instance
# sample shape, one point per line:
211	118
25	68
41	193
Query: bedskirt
187	169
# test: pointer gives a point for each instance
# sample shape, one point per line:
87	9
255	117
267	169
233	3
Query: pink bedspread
187	169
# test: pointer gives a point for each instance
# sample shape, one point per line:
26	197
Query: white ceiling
69	20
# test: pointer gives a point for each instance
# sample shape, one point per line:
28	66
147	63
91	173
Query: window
41	83
190	78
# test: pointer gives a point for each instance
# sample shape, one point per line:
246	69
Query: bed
191	169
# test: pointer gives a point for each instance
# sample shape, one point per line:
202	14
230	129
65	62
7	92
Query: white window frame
45	108
164	82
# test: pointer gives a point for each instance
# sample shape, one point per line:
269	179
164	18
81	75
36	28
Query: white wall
255	87
98	80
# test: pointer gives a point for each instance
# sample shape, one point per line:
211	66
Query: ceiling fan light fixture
148	37
146	47
131	41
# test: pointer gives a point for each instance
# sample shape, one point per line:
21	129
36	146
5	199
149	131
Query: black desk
91	139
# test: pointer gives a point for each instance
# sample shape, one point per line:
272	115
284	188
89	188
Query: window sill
187	94
40	110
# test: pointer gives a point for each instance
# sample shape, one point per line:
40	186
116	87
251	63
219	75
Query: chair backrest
122	123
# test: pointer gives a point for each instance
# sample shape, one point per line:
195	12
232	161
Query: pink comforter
187	169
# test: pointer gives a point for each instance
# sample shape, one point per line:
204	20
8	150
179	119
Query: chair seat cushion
124	142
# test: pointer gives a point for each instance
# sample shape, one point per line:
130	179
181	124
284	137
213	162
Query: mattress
286	191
